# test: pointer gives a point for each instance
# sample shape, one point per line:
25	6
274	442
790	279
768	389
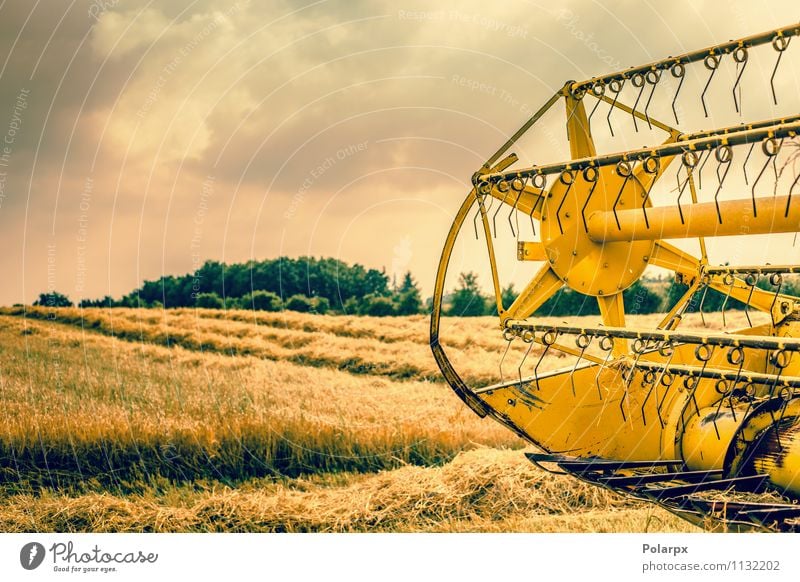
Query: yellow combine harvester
694	421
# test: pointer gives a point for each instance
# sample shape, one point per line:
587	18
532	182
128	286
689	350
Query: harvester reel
697	422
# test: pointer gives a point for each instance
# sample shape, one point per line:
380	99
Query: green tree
53	299
321	305
639	298
408	297
377	305
208	301
261	301
509	295
467	299
299	303
351	306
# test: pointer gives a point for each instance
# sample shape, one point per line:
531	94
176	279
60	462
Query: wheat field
204	420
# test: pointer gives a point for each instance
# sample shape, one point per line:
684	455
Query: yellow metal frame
608	406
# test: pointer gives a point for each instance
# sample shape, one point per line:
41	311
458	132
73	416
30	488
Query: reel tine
478	211
622	402
786	395
548	339
624	170
616	87
647	379
724	156
652	77
637	81
689	161
711	63
527	337
704	157
639	346
777	360
735	356
750	392
723	391
730	279
565	175
591	177
776	280
740	56
788	200
667	380
746	159
771	147
582	341
517	185
750	279
662	349
514	233
503	187
509	336
598	90
780	43
704	355
679	72
538	181
651	166
702	302
695	382
606	347
775	167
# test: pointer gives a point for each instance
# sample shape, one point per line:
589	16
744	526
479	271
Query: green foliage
467	299
261	301
321	305
332	279
408	297
352	306
569	302
53	299
377	305
509	295
640	299
106	301
299	303
208	301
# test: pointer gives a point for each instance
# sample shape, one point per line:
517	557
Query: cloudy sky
142	138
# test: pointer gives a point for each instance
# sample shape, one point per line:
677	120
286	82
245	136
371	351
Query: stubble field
202	420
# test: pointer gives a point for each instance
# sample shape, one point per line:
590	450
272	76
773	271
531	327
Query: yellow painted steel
530	251
707	436
713	406
774	215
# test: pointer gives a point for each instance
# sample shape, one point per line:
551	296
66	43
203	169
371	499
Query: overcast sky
144	138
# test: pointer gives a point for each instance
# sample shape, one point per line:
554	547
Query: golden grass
83	406
479	491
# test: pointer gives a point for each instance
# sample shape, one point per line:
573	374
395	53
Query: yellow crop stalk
690	420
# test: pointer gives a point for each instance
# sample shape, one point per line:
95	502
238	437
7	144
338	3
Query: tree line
305	284
326	285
